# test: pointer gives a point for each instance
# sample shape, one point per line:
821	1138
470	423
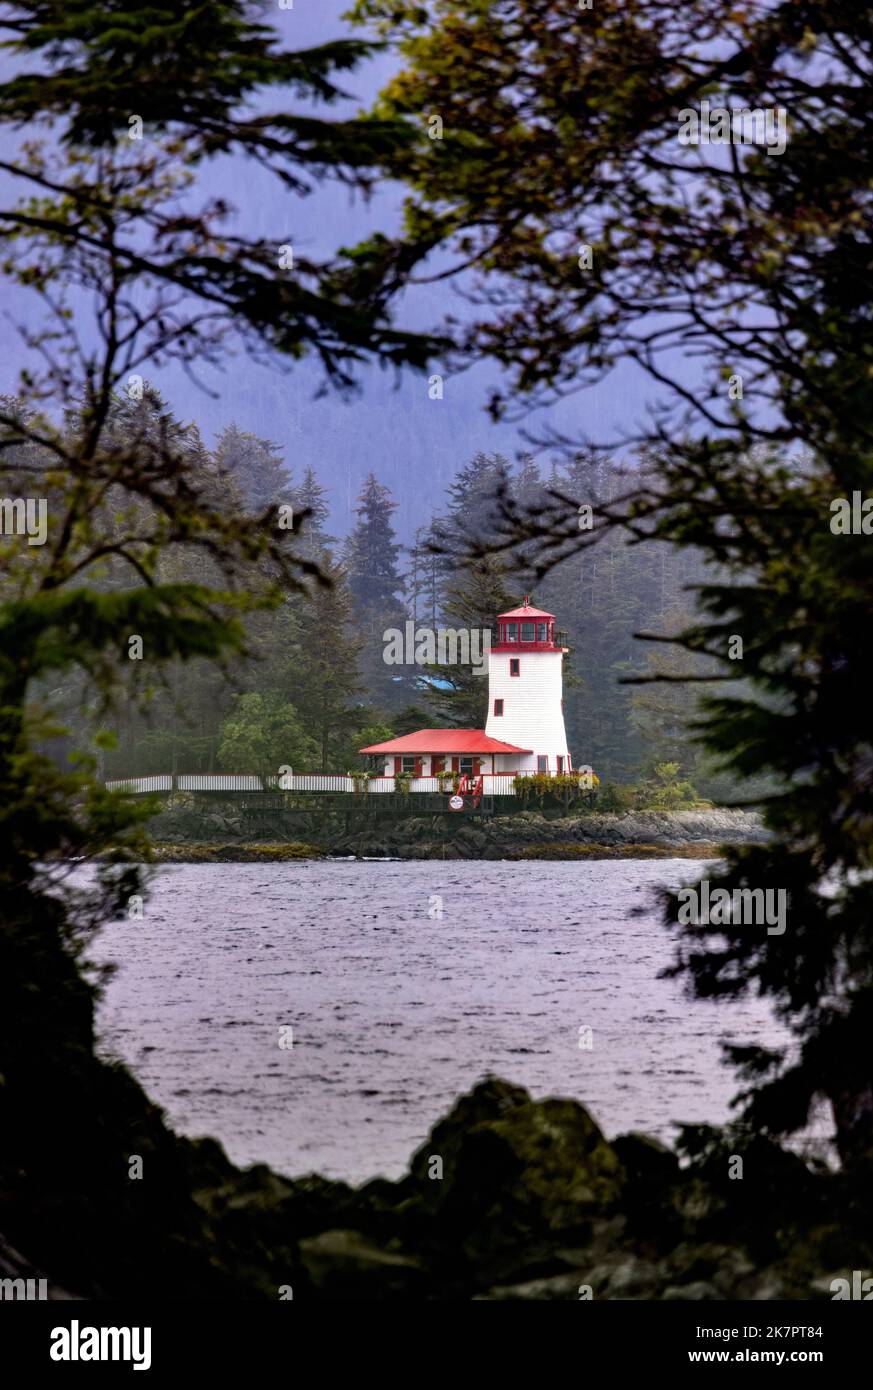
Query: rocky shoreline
219	834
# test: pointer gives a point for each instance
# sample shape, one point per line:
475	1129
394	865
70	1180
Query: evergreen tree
310	502
325	676
412	718
473	510
425	578
256	466
665	709
457	694
372	551
371	555
527	486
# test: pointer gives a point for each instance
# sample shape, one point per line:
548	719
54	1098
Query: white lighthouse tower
525	692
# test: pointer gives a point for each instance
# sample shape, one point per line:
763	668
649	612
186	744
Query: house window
527	632
466	767
560	764
542	764
513	665
542	632
407	764
498	706
512	632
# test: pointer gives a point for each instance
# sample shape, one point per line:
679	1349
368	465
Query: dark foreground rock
509	1198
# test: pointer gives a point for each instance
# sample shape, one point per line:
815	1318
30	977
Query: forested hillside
314	686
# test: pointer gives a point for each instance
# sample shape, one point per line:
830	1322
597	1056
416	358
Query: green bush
663	790
617	798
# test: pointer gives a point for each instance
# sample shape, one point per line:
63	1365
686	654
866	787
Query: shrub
664	791
617	798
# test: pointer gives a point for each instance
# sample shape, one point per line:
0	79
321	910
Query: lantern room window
542	632
512	632
527	632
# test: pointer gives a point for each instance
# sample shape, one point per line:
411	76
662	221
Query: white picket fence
493	785
163	783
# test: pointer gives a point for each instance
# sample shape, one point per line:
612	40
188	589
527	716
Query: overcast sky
413	444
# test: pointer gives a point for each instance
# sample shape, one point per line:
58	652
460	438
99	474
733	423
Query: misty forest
314	686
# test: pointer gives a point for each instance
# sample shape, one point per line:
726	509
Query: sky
413	444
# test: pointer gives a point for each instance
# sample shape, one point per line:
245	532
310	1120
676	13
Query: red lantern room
526	629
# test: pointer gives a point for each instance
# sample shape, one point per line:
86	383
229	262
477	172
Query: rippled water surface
396	1010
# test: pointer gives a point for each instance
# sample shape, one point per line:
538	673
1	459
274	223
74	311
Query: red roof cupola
526	629
525	611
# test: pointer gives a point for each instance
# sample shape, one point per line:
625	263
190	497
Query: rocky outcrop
509	1198
641	834
527	834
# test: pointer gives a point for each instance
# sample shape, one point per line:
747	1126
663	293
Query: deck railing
218	782
163	783
493	784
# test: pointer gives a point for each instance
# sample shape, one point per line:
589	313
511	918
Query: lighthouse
524	732
525	691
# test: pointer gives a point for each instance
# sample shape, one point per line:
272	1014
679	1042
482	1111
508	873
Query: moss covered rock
503	1172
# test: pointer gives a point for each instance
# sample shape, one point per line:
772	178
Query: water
396	1010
